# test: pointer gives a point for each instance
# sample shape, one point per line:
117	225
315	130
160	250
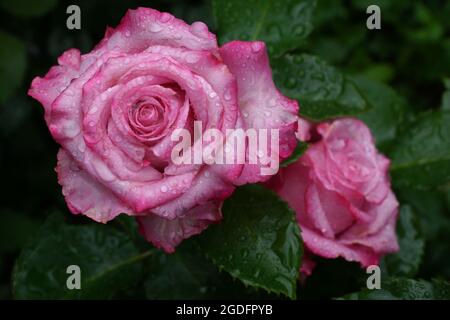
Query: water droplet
164	189
227	95
273	102
292	83
199	29
192	58
127	33
212	94
82	147
71	129
298	59
299	30
245	114
155	27
256	47
93	110
165	17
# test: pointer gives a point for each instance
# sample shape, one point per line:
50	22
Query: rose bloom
341	194
113	111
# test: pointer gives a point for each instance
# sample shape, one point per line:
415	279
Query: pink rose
341	194
114	109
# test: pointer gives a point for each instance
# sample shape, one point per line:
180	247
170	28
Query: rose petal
146	27
262	105
167	234
206	186
46	89
328	248
85	195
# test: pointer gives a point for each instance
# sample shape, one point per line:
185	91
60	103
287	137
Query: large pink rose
114	109
341	194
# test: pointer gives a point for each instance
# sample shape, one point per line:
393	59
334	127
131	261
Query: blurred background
411	54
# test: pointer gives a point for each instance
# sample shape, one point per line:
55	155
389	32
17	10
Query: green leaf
299	150
406	262
258	241
421	157
283	25
28	8
12	65
321	90
108	260
188	274
405	289
430	208
387	110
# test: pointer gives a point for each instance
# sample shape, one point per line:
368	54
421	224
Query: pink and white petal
47	89
383	242
85	195
95	131
316	212
146	27
330	248
167	234
261	103
348	129
380	215
291	184
330	207
379	192
206	187
215	72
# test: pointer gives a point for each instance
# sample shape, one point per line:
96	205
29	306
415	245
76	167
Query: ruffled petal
47	89
167	234
146	27
261	104
85	195
329	248
207	186
381	215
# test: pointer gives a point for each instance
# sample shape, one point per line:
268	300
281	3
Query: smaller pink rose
341	193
